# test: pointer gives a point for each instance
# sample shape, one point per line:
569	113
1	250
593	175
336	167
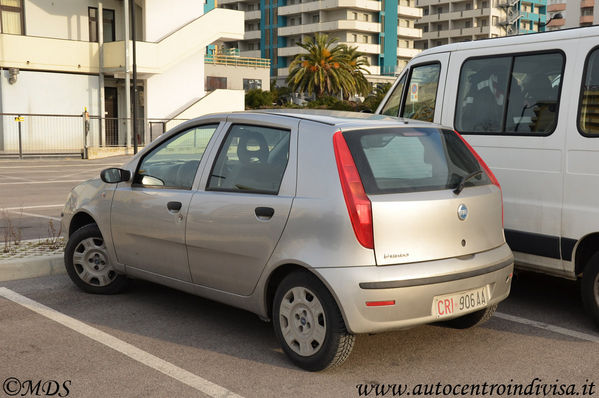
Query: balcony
409	12
368	5
360	26
587	4
423	3
251	15
234	60
556	7
586	19
407	52
156	57
410	33
41	53
252	35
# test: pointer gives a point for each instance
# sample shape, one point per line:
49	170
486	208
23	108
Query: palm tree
356	64
322	70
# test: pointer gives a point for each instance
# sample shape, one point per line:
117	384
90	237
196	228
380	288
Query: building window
439	10
425	29
108	26
366	17
468	24
11	17
250	84
214	83
355	15
354	38
315	18
365	39
425	11
495	20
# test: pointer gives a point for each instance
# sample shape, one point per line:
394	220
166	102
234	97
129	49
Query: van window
516	95
391	108
588	114
422	92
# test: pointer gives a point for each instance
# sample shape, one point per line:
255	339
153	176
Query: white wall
172	91
163	17
46	93
66	19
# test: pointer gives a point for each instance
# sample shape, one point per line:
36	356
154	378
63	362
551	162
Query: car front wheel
308	323
88	263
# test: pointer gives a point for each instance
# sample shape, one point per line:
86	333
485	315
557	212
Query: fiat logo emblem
462	212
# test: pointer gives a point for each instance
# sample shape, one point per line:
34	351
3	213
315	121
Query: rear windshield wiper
460	187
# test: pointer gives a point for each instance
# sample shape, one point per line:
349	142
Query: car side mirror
114	175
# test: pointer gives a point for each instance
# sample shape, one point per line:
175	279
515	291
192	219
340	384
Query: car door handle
264	213
174	206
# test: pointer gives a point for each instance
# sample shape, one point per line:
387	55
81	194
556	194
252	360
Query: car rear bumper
413	288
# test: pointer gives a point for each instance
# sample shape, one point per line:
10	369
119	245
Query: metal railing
232	60
28	134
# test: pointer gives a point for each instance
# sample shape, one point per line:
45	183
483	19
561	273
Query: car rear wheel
473	319
88	263
308	323
590	288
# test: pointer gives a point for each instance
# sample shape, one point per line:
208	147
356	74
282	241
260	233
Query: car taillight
358	204
485	168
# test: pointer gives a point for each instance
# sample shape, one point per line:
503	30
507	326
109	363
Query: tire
88	263
308	323
589	288
473	319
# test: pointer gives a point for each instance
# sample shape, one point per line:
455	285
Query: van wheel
308	323
589	288
88	263
473	319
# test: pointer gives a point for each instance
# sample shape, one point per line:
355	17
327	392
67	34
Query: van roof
563	34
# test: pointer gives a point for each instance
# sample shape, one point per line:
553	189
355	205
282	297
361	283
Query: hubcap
91	262
302	321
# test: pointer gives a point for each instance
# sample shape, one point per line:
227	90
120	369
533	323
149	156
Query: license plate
457	303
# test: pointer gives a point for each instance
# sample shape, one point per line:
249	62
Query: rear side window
391	108
512	94
411	160
422	92
588	114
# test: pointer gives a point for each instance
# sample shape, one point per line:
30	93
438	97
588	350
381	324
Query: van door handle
264	213
174	206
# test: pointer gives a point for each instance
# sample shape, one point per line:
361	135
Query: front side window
391	108
252	159
174	163
588	111
509	94
421	93
11	17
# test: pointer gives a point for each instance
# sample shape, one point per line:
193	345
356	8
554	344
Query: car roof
343	119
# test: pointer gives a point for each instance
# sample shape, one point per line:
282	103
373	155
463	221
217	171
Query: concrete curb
31	267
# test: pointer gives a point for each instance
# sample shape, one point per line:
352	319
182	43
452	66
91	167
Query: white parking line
39	182
177	373
33	215
549	327
29	207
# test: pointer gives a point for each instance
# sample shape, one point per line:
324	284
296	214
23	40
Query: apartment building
57	58
572	13
383	30
453	21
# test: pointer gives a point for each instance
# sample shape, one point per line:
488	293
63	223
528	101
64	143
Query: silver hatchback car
330	224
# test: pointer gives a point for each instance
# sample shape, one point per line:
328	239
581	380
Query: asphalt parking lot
34	191
157	342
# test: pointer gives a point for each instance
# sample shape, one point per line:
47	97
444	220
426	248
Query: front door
111	107
235	223
149	213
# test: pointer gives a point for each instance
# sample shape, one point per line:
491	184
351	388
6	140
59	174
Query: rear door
409	175
237	216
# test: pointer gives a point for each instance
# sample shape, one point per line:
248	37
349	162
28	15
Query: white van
530	106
